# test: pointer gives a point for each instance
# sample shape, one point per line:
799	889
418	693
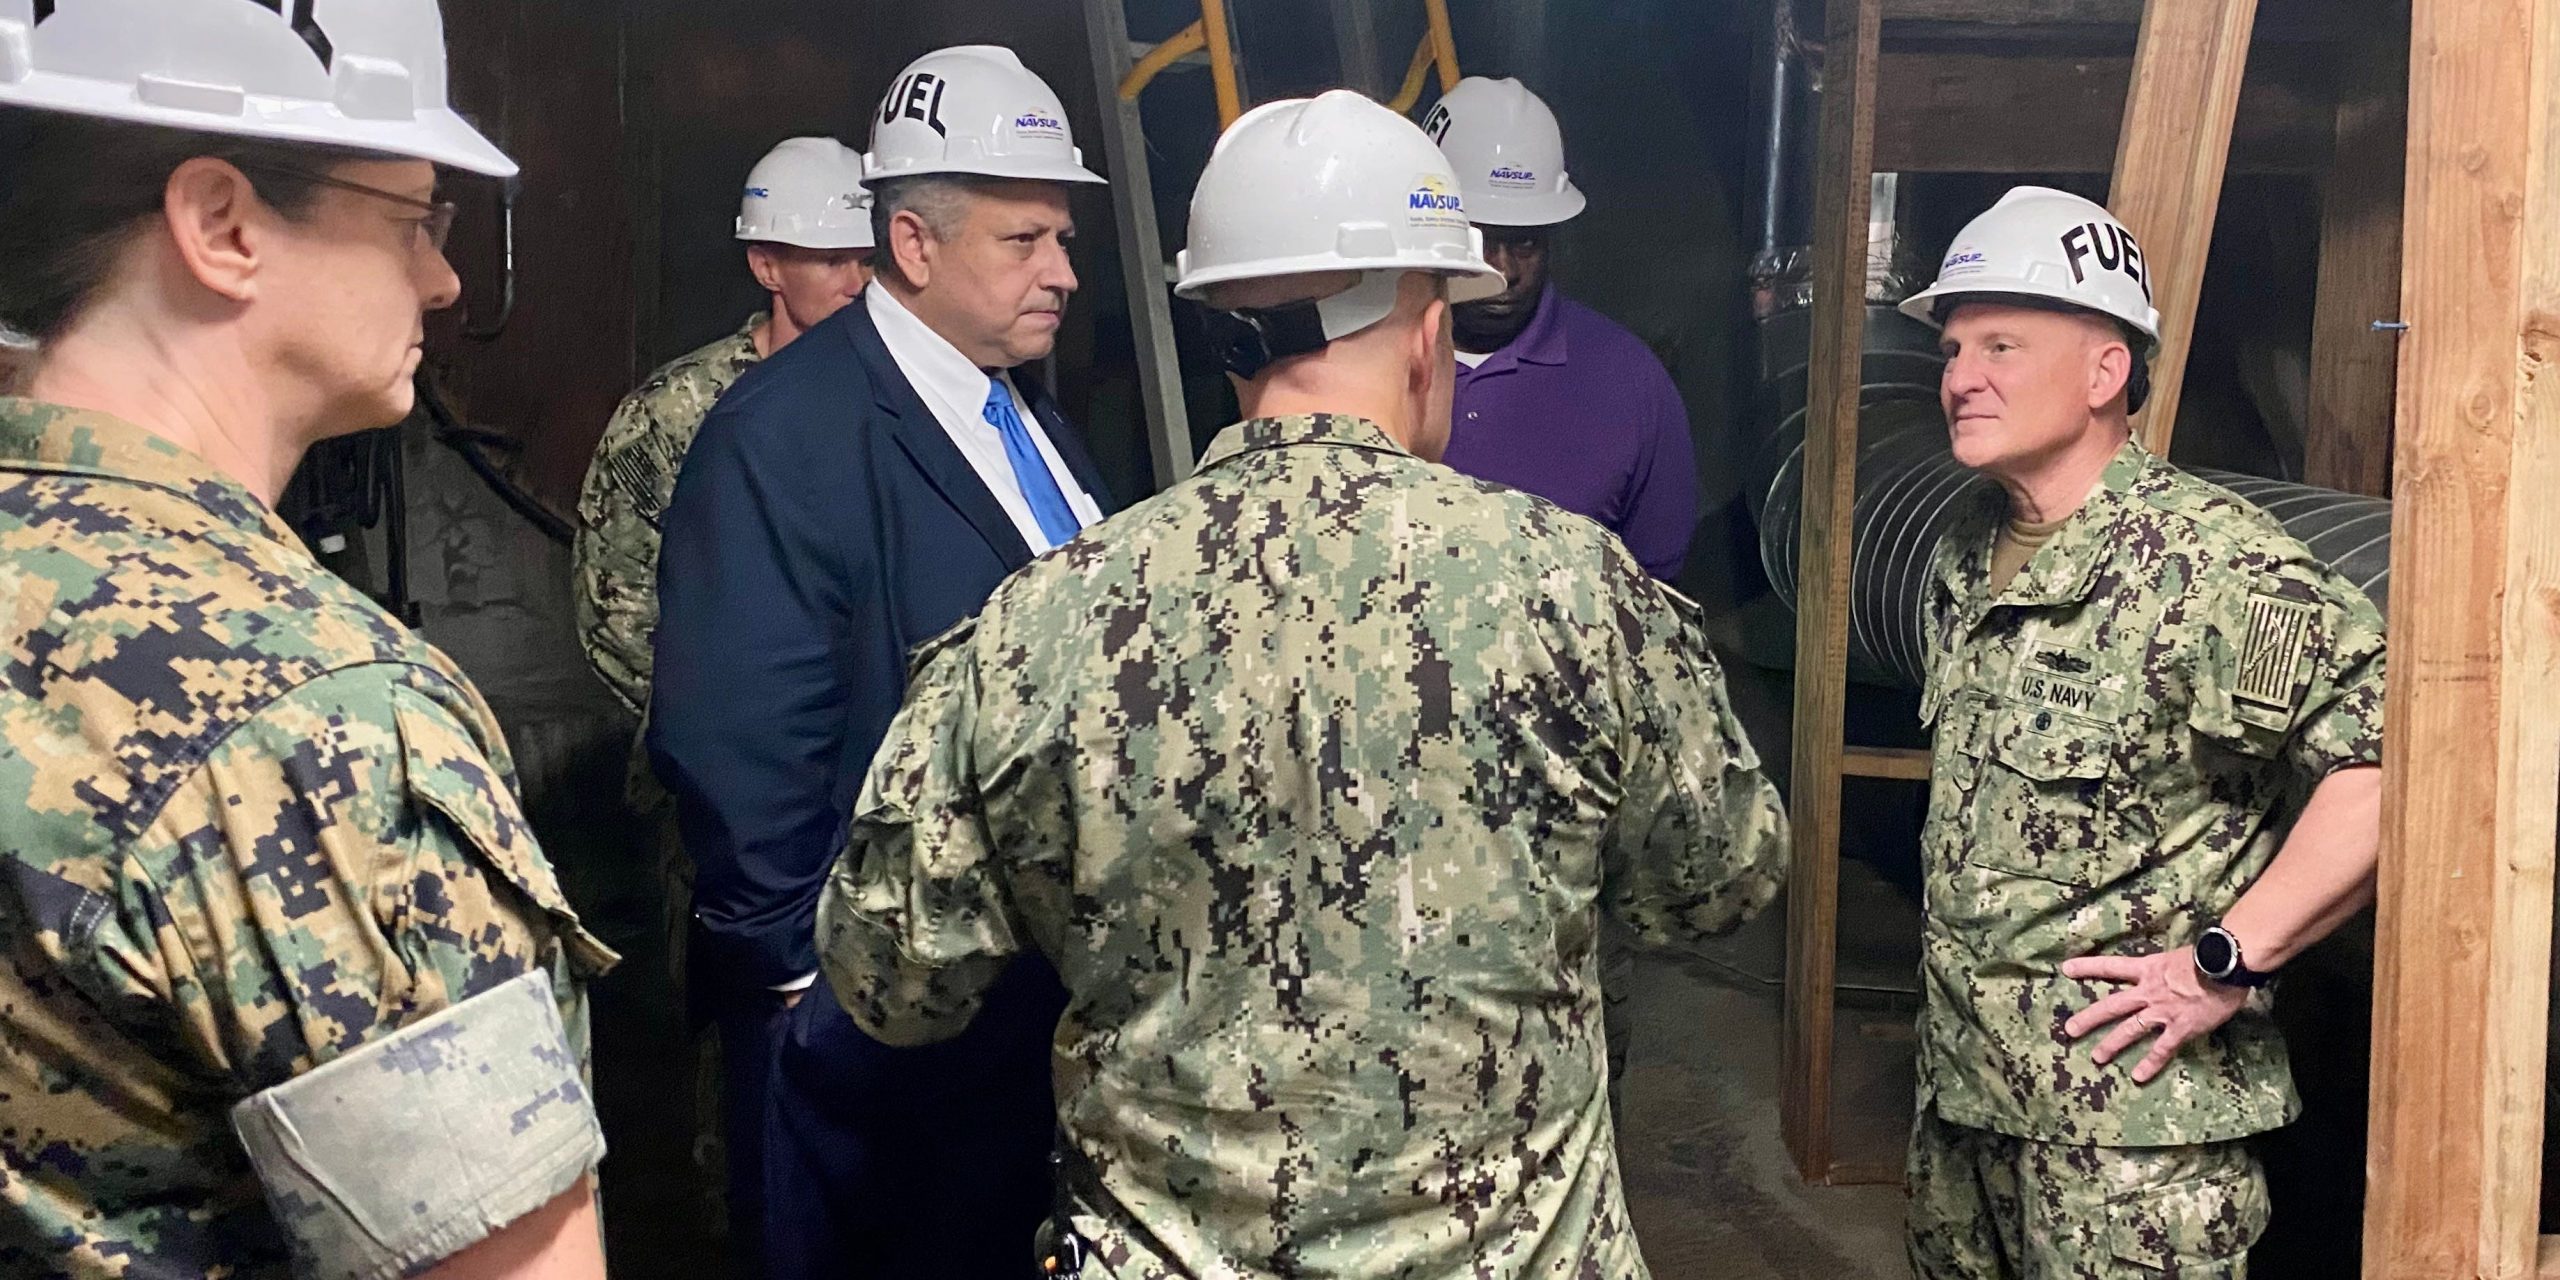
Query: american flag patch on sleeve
2271	652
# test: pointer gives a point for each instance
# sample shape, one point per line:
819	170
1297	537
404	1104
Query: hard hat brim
1923	306
1019	171
853	237
439	136
1468	282
1545	209
808	239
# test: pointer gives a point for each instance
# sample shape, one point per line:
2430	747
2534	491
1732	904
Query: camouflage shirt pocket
448	773
2048	802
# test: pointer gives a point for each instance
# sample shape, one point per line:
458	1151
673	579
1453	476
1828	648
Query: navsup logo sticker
1962	262
1434	203
1507	176
1039	124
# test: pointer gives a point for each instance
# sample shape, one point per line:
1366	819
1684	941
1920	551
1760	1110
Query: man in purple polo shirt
1553	397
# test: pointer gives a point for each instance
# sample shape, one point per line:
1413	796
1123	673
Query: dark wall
543	79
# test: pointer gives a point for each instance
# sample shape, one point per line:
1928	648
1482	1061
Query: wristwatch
2218	959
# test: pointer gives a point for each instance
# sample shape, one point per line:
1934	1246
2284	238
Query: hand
2168	997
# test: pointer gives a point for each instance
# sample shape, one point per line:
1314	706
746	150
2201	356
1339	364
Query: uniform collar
2065	570
744	340
1256	434
56	439
1542	343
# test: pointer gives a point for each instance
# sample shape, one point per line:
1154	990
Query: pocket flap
2052	748
2200	1222
448	772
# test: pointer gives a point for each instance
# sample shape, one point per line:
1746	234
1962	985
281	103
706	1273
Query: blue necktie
1048	502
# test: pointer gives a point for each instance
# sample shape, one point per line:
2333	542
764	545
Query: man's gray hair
940	200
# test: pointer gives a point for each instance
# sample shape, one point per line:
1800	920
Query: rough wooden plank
1957	111
2176	142
2347	445
2472	756
1904	763
1844	160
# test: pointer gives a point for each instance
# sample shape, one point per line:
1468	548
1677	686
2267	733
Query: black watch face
2213	955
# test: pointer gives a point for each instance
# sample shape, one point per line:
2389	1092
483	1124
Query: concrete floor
1714	1193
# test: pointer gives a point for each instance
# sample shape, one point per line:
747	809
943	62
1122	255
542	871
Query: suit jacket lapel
1069	441
920	434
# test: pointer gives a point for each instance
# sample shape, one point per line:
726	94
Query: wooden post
1844	156
2348	443
2473	746
2169	163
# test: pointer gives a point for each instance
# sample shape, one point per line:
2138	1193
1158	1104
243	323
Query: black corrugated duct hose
1909	489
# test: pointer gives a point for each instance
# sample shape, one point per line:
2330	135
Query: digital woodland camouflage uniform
2123	735
1314	775
626	492
628	486
254	824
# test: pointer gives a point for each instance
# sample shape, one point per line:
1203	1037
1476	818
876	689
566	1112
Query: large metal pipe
1910	489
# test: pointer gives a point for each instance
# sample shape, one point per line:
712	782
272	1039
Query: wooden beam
2168	177
1941	110
1844	163
2472	754
2347	445
1904	763
2548	1264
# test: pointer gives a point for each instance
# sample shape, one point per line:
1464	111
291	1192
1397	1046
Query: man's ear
910	247
1431	342
2109	371
766	265
218	225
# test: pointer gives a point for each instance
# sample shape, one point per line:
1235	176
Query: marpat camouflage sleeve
343	864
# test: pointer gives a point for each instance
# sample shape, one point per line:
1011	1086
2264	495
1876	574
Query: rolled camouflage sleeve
914	925
1700	841
2292	668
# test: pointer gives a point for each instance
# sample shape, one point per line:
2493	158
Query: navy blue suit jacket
823	526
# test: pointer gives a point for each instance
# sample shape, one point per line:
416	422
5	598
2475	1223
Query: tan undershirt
2017	543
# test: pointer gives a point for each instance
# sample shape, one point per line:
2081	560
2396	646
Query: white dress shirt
956	391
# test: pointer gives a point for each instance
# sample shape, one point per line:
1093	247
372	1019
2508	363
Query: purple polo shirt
1578	411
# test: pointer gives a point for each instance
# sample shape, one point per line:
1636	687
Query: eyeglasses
437	224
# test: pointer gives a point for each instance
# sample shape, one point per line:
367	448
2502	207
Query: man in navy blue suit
851	497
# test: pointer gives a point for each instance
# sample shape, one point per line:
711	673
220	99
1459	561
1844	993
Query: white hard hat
1332	183
2042	243
1508	152
972	109
807	192
367	74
